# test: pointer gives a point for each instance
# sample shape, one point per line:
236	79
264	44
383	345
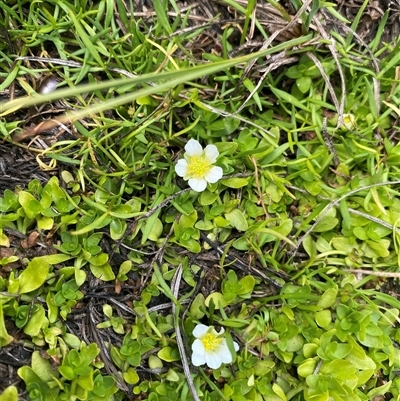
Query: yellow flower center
198	167
210	342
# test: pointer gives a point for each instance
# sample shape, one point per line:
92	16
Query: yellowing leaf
169	354
34	275
5	338
9	394
217	298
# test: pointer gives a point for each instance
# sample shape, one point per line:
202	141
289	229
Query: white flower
210	347
197	165
349	122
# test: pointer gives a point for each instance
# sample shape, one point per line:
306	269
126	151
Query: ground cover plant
199	201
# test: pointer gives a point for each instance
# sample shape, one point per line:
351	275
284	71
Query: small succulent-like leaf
169	354
103	272
5	338
237	220
9	394
34	275
30	204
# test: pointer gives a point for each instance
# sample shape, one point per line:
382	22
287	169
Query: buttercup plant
197	165
210	347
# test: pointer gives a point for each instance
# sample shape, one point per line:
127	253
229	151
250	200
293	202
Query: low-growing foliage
271	256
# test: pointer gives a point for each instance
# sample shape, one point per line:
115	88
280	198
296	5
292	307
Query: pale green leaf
34	275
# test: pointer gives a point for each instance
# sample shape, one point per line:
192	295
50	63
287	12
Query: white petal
214	174
198	347
200	330
213	360
211	153
198	184
224	353
181	167
198	359
193	148
236	346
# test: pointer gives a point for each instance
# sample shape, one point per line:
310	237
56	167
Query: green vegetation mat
199	201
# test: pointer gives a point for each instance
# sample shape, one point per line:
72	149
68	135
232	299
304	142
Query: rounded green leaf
217	298
197	303
237	220
42	367
327	223
303	83
34	275
169	354
172	376
103	272
307	367
9	394
207	198
323	318
30	204
328	298
155	362
235	182
5	338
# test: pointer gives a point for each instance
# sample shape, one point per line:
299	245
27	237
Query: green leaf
34	275
247	283
130	376
42	367
309	246
237	220
155	362
217	298
279	392
36	322
208	198
172	376
340	369
323	318
328	298
30	204
250	86
156	230
307	367
148	228
9	394
197	304
327	223
226	147
235	182
5	338
27	374
303	83
169	354
288	98
45	223
117	228
55	259
159	8
103	272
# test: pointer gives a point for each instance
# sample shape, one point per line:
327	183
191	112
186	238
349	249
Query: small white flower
210	347
349	122
197	165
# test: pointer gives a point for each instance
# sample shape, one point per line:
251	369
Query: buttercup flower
197	165
210	347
